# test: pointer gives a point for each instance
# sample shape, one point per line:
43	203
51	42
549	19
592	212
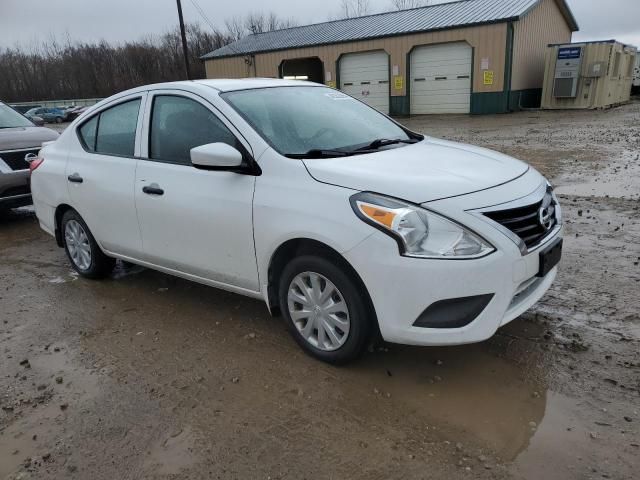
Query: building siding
488	42
542	26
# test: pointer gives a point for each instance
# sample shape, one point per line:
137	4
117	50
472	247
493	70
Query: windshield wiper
319	153
384	142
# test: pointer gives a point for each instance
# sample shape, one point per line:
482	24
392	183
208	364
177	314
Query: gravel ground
149	376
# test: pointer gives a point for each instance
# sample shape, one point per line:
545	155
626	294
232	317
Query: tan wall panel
544	25
488	41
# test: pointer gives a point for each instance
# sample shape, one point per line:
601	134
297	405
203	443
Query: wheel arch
306	246
60	211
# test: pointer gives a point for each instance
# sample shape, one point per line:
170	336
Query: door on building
310	69
440	77
365	76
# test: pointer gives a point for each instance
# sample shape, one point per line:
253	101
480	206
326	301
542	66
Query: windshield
9	118
299	120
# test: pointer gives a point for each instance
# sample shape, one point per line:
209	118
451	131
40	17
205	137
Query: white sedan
335	215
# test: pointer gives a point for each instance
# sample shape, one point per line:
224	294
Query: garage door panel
365	76
460	86
441	79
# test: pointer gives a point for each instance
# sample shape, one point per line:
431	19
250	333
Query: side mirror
216	155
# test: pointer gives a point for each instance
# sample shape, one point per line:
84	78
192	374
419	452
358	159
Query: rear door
101	174
199	222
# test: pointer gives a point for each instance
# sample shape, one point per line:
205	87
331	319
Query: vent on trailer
568	66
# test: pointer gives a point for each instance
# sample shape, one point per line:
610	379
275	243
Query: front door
193	221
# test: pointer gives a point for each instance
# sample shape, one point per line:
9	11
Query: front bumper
402	289
14	189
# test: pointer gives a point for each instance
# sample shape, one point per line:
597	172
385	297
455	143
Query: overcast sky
28	21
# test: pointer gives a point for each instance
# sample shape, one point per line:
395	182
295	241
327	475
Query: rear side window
179	124
117	129
112	131
88	133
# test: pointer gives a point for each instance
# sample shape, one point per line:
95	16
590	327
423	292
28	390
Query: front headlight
419	232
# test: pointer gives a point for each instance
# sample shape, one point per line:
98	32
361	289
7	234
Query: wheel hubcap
78	246
318	311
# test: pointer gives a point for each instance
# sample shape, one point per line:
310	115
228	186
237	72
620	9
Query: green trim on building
489	103
399	106
508	63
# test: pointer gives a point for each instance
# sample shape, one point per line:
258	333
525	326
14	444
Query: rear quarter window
113	130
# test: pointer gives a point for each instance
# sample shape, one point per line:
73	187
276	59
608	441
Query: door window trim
142	96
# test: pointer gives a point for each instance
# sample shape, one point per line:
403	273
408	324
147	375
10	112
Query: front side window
297	120
179	124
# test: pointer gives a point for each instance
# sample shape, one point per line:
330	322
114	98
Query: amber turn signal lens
383	217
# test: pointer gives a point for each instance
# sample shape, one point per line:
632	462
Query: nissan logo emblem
545	218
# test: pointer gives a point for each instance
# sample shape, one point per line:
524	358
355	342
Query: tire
58	119
95	265
347	343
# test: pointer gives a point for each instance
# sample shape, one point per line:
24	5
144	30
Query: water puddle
173	454
619	179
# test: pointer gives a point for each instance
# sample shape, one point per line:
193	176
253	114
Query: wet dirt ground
149	376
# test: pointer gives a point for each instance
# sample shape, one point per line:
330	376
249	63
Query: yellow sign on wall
488	77
331	84
398	82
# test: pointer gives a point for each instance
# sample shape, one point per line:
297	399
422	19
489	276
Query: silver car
19	140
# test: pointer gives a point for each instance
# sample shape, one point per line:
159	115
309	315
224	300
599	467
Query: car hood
25	137
430	170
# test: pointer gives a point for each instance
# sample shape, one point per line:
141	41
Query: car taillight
35	163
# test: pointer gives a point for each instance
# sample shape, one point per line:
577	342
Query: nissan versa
338	217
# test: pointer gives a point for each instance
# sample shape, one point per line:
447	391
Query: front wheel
324	309
82	249
58	119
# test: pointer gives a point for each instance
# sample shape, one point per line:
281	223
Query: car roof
228	84
231	84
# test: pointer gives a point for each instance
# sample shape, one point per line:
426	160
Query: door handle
75	178
153	190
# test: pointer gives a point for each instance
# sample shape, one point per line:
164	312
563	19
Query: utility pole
185	51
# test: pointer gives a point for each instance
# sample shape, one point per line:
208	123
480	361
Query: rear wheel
58	119
324	309
82	249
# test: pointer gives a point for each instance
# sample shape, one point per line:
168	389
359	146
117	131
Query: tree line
54	70
57	69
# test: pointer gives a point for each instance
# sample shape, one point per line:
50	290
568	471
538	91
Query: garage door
365	76
441	79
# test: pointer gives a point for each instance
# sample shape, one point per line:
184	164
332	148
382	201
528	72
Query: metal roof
434	17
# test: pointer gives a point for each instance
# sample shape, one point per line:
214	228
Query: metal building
588	75
469	56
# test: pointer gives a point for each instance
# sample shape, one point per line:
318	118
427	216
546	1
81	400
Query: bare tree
57	70
235	28
407	4
259	22
54	70
354	8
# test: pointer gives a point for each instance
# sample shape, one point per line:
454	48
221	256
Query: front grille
15	160
532	223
